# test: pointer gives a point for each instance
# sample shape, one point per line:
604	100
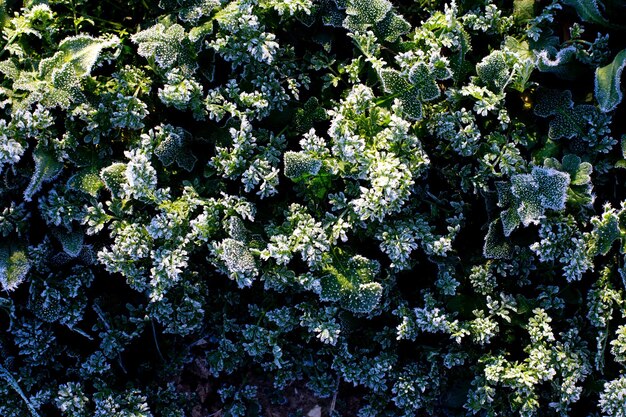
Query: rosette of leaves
349	280
529	195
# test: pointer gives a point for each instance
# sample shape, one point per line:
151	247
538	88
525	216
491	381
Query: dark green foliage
408	209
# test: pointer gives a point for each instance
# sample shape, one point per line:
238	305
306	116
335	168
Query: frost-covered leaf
14	266
552	185
510	220
496	244
82	51
392	27
86	180
493	70
173	147
589	11
421	86
606	231
72	241
114	178
569	120
349	280
167	46
300	164
423	82
363	13
47	167
608	83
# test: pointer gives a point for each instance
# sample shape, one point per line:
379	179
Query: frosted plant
612	398
141	179
238	260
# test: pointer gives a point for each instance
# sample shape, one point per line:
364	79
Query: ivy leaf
392	27
173	148
299	165
47	168
607	83
363	13
569	120
423	82
14	266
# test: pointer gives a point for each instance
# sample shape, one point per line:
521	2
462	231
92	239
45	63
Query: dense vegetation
419	207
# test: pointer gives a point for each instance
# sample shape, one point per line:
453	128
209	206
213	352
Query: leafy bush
412	209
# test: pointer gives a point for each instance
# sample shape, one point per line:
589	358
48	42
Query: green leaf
114	178
86	180
607	84
82	51
589	11
606	231
14	266
392	27
496	244
349	281
300	164
47	167
493	70
72	242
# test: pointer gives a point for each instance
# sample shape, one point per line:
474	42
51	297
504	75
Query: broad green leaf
14	266
349	280
82	51
589	11
607	85
47	167
86	180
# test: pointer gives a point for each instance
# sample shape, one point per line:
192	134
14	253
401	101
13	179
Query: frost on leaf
173	147
72	241
569	120
375	14
421	86
114	178
496	244
87	181
606	230
580	190
61	73
238	260
47	167
493	71
166	46
607	83
14	266
530	195
299	164
349	280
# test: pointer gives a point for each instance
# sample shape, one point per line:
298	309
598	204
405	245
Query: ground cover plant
392	208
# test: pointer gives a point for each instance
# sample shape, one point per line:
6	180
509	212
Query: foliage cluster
423	200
